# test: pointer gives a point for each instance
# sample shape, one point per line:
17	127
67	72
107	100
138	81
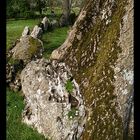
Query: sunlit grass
54	39
16	130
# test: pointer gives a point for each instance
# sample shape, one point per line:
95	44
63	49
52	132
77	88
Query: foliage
33	8
72	112
69	86
17	8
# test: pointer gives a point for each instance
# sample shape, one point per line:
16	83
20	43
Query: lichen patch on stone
50	108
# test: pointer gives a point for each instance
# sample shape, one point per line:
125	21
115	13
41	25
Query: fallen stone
27	49
46	23
37	32
26	31
46	110
54	24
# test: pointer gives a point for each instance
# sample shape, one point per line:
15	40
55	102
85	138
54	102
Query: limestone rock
26	31
27	48
13	74
37	32
46	23
99	52
54	24
62	21
48	108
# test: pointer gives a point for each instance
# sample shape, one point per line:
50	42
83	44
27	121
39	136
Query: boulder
37	32
46	23
27	49
54	24
41	25
62	20
26	31
13	70
48	108
99	50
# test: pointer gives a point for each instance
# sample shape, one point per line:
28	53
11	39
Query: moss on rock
92	59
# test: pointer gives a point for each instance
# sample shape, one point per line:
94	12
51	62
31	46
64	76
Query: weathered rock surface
13	74
99	52
54	24
49	106
62	21
46	23
37	32
25	50
26	31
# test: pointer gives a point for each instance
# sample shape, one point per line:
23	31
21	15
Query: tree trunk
66	5
51	5
99	52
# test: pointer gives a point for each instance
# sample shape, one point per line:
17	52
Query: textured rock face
46	23
50	108
25	50
12	74
26	31
99	52
54	24
123	70
37	32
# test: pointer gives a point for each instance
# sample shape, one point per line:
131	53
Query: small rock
37	32
26	31
46	23
54	24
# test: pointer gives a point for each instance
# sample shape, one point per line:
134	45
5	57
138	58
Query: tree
17	8
99	52
38	5
66	6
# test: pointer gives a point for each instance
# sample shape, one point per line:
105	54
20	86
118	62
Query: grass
16	130
15	27
53	40
72	112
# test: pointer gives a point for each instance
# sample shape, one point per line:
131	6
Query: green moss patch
69	86
72	112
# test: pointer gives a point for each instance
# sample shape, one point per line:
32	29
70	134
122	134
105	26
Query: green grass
16	130
53	40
